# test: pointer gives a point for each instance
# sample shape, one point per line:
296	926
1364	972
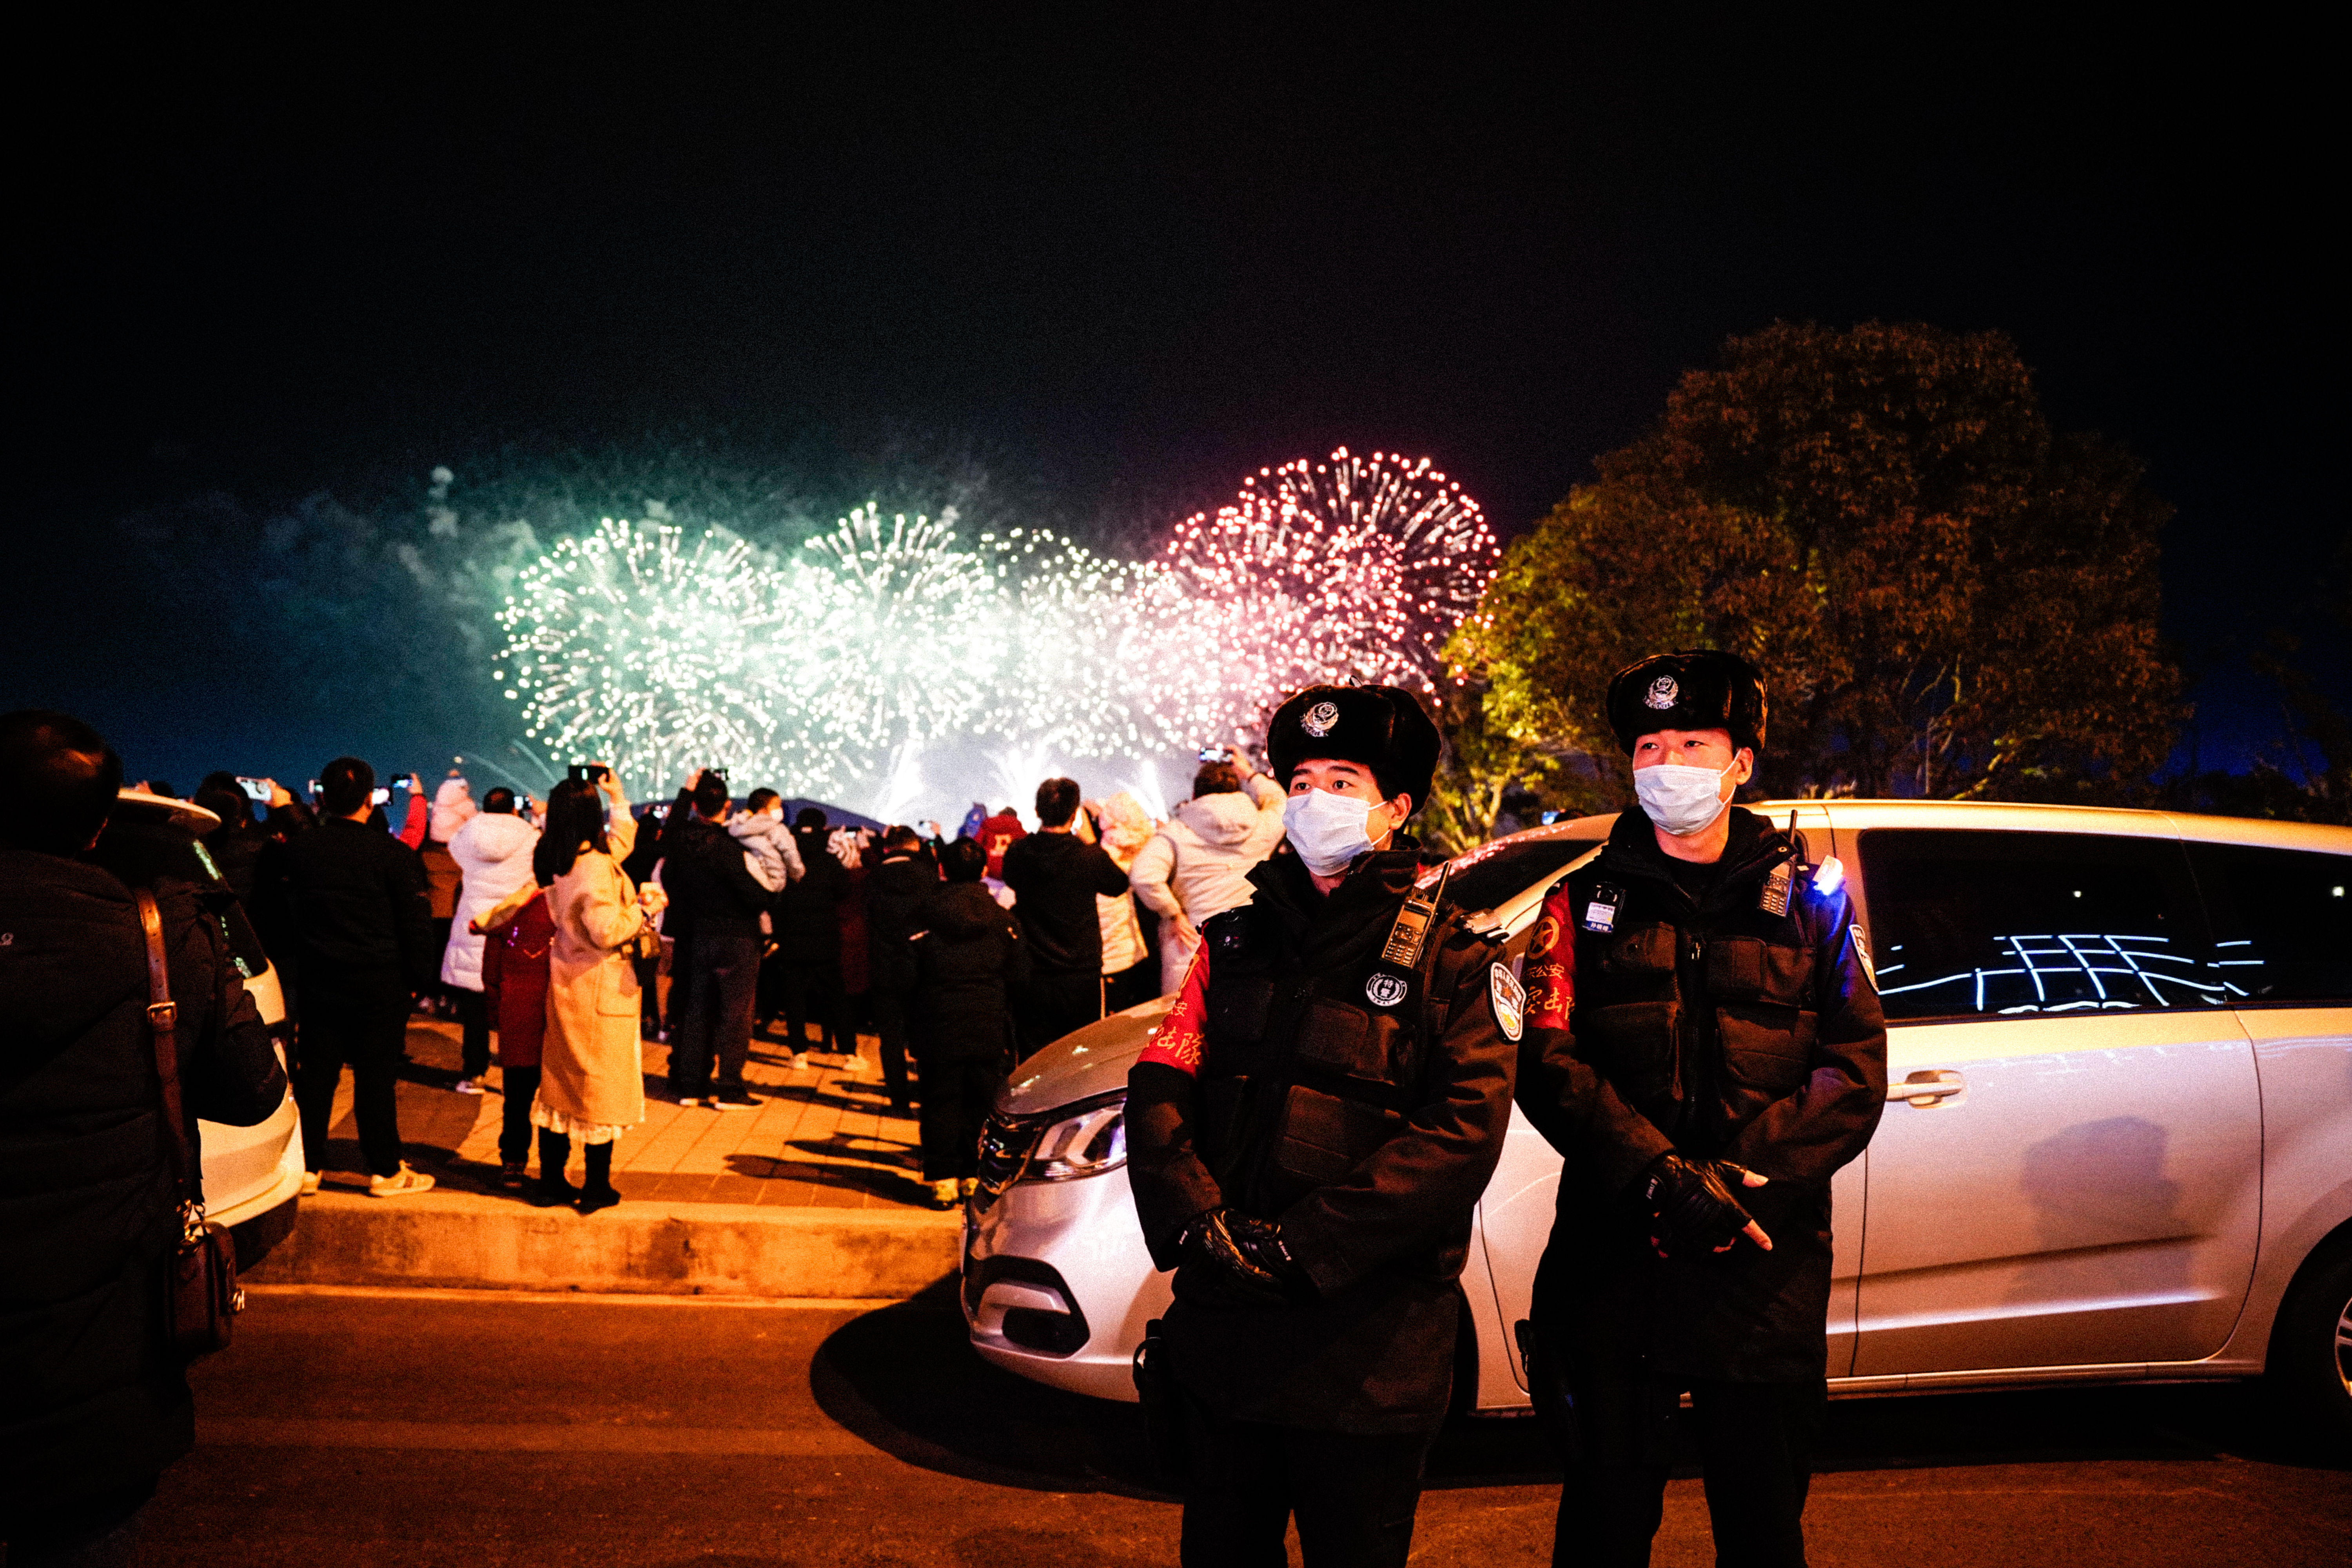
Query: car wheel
2311	1346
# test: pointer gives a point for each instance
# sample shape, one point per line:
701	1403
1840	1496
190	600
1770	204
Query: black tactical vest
1311	1061
1699	1018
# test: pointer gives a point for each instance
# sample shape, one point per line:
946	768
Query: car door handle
1928	1089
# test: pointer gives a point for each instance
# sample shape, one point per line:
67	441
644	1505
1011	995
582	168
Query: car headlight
1085	1139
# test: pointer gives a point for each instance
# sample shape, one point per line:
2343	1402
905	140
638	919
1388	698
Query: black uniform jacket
91	1397
969	959
1366	1122
1722	1029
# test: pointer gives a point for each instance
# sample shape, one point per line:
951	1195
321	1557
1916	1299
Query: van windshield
1493	873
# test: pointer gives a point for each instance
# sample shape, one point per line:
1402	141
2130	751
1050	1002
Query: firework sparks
831	669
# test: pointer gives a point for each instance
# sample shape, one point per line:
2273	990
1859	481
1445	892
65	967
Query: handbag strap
163	1020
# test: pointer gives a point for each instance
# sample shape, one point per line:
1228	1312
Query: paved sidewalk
820	1137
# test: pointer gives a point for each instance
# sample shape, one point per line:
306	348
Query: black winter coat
896	892
808	912
1057	879
361	909
1367	1129
1720	1029
711	892
91	1398
969	957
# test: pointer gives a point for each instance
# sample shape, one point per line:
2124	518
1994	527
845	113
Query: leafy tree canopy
1947	599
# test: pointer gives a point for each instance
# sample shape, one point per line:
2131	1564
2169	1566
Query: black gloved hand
1692	1209
1247	1257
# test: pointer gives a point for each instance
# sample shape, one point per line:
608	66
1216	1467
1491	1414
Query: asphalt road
395	1428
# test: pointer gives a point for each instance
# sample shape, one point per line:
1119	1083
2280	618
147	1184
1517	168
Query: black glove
1247	1255
1692	1209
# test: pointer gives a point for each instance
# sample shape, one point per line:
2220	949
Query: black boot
554	1153
597	1192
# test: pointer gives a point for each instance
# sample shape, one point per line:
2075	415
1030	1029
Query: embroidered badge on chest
1385	990
1510	999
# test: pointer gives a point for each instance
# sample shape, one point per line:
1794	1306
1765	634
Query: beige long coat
591	1065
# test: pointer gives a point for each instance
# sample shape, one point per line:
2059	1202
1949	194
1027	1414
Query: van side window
2282	921
1967	923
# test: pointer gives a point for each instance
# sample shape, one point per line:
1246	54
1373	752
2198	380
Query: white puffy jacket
1198	864
493	854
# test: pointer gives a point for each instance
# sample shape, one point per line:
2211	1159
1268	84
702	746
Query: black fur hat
1697	688
1382	727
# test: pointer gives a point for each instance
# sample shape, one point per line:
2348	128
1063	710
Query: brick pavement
820	1137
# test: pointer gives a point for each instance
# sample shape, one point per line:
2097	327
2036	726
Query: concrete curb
467	1239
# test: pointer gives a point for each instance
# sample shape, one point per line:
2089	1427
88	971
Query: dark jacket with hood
1362	1108
969	957
1725	1013
808	912
92	1400
896	892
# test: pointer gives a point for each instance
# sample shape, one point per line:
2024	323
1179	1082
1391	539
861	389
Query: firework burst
1351	568
833	669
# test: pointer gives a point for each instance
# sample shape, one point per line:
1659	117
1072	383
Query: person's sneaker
946	1193
468	1085
590	1199
512	1174
800	1061
399	1183
689	1101
309	1183
736	1101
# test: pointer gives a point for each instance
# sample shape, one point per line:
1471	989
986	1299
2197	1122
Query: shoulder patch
1510	1000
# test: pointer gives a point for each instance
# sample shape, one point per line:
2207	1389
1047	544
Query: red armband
1549	972
1177	1042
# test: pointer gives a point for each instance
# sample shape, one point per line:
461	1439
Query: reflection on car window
2282	921
1969	924
1494	872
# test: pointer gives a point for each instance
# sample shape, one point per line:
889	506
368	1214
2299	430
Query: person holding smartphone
366	937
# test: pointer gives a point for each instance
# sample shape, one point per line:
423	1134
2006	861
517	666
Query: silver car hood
1079	1066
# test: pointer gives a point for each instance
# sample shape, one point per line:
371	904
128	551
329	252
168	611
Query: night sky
1127	268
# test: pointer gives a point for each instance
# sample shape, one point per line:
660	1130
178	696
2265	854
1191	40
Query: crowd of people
573	929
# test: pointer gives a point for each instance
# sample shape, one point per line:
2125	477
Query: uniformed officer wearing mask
1306	1136
1705	1048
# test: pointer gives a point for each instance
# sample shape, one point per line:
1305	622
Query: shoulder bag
202	1298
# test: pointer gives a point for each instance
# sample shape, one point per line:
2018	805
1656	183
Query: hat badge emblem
1662	693
1321	719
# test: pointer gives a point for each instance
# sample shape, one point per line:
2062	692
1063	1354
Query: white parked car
2118	1145
252	1175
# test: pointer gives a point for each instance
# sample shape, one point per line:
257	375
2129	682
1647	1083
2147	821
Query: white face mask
1679	798
1328	830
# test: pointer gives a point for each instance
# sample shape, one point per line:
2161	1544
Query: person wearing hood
1130	968
452	806
967	960
1198	864
492	850
808	946
1308	1133
1705	1049
896	892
